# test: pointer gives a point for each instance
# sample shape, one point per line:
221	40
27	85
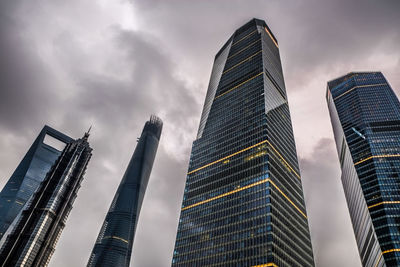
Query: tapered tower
114	243
243	202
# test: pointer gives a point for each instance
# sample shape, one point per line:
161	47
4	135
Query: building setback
243	202
365	116
27	177
113	246
37	229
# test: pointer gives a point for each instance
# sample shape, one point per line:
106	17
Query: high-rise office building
113	246
38	227
365	116
243	202
29	174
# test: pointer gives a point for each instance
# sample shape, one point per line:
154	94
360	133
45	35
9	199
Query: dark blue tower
35	232
243	202
365	116
113	246
29	174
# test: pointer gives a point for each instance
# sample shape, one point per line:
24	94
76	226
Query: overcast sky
110	64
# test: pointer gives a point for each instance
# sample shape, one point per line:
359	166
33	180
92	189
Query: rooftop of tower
243	28
335	82
154	125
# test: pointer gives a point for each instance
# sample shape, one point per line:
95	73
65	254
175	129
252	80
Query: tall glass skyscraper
29	174
113	246
37	229
365	115
243	201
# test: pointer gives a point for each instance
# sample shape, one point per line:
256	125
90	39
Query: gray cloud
23	77
112	64
332	234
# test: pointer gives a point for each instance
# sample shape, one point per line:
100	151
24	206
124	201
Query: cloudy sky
110	64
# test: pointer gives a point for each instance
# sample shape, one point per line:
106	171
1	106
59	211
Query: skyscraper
113	246
365	116
243	201
28	175
34	236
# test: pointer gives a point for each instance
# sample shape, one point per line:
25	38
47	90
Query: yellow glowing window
255	155
265	142
266	265
238	189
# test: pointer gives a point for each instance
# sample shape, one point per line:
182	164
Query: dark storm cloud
339	34
142	81
23	76
76	63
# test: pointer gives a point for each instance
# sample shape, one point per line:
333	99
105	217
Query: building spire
87	134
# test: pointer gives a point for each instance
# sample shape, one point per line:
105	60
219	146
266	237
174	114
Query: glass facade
37	229
365	115
243	201
113	246
27	177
